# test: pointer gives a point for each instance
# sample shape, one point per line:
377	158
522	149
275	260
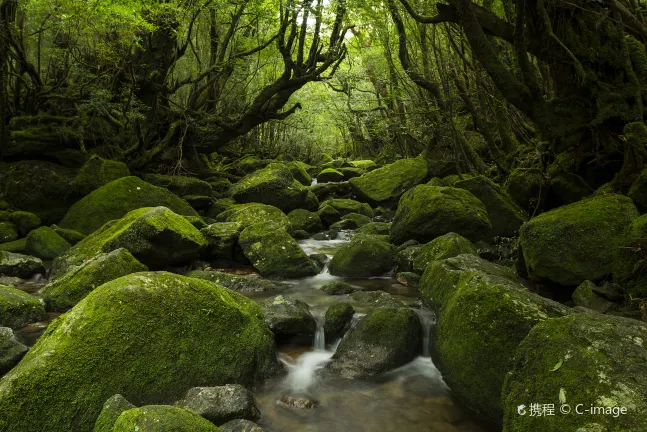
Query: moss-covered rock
289	318
251	163
375	228
18	308
46	244
380	341
250	214
576	242
478	331
630	264
328	215
567	188
273	185
374	300
18	265
337	320
110	412
157	418
347	206
299	171
69	289
71	236
426	212
8	232
527	186
305	220
157	237
241	425
330	175
180	185
363	256
223	239
325	191
219	206
221	404
358	220
385	185
590	360
235	282
585	296
40	187
25	221
338	288
365	164
97	172
405	256
115	199
440	248
16	246
505	215
351	172
147	336
273	252
11	351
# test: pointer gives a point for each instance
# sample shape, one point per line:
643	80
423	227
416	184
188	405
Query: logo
521	409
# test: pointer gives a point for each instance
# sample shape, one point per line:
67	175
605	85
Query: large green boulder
110	412
71	236
273	185
273	252
147	336
363	256
69	289
305	220
221	404
299	171
25	221
253	213
346	206
19	265
235	282
223	239
337	319
289	318
382	340
505	215
11	351
157	237
440	248
251	163
426	212
365	164
16	246
597	364
375	228
527	186
478	331
180	185
8	232
162	418
46	244
350	172
115	199
18	308
384	186
330	175
97	172
576	242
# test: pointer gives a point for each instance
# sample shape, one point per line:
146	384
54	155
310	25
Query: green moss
305	220
8	232
158	418
602	362
71	236
180	185
155	236
11	351
445	246
337	318
328	214
115	199
347	206
219	206
249	164
18	265
299	171
377	228
250	214
330	175
110	412
426	212
46	244
222	238
527	186
147	336
338	288
16	246
274	253
365	164
17	308
4	216
363	256
577	242
25	221
385	185
66	291
97	172
630	263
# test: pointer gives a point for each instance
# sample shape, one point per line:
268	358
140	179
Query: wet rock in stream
221	404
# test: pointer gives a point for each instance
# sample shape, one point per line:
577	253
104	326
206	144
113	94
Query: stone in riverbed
253	213
376	228
338	288
11	351
380	341
240	425
305	220
337	320
363	256
234	282
18	308
157	418
104	345
445	246
375	299
223	239
110	412
289	318
18	265
330	175
221	404
584	295
46	244
348	206
8	232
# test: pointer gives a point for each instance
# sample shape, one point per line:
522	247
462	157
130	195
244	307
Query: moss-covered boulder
273	185
445	246
157	237
405	256
325	191
505	215
223	239
385	185
110	412
250	214
365	164
351	172
527	186
478	331
380	341
299	171
11	351
69	289
147	336
374	300
97	172
8	232
337	320
251	163
375	228
16	246
338	288
71	236
180	185
330	175
585	295
589	360
289	319
363	256
221	404
115	199
46	244
426	212
18	308
19	265
235	282
305	220
328	215
357	220
346	206
25	221
40	187
219	206
576	242
273	252
158	418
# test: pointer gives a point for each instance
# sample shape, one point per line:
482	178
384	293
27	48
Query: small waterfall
427	320
320	337
314	182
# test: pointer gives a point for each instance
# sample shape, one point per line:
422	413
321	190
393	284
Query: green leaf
562	395
557	366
